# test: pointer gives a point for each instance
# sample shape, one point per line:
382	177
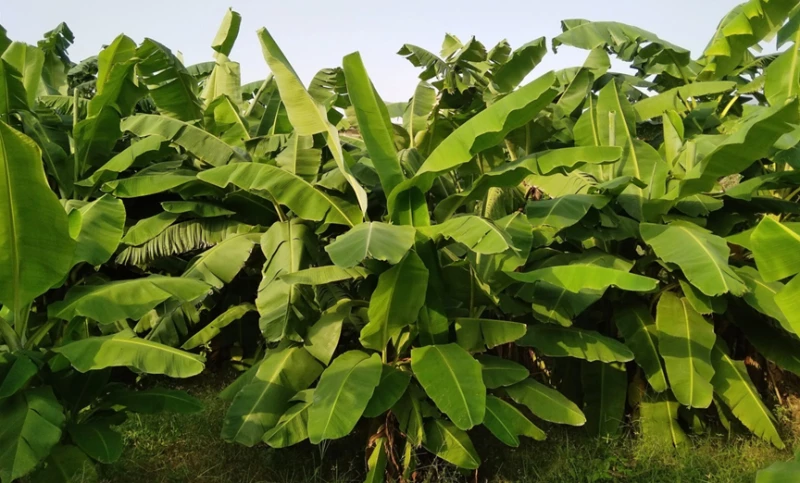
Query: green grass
179	448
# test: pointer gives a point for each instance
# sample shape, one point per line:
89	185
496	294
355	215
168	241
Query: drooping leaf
450	443
512	174
15	98
207	333
28	61
701	302
507	423
287	189
685	340
288	247
418	109
194	140
753	140
300	157
498	372
376	240
377	462
761	296
770	341
156	179
396	301
733	386
743	27
97	439
521	62
776	249
701	255
155	400
125	299
324	275
605	388
292	427
788	301
676	99
557	341
35	247
546	403
342	395
476	233
564	211
124	160
659	420
323	337
172	88
221	117
624	40
490	332
64	464
577	277
124	349
102	222
32	422
265	397
453	380
639	330
180	238
219	264
15	371
390	389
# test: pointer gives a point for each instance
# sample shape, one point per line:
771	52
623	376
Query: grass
178	448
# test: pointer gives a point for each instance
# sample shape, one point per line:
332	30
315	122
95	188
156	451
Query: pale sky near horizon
315	34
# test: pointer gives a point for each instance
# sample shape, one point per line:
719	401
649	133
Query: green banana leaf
452	379
306	115
557	341
125	299
194	140
260	403
380	241
498	372
287	189
396	301
733	386
546	403
342	395
507	423
641	335
172	88
34	231
450	443
373	122
701	255
481	132
32	422
124	349
605	389
685	341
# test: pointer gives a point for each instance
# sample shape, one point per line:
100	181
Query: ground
179	448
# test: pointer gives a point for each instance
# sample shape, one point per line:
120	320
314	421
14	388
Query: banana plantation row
589	248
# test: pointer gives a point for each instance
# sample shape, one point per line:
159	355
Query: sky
315	34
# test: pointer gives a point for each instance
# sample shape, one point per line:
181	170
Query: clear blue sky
315	34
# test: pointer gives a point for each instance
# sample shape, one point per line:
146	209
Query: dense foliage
588	248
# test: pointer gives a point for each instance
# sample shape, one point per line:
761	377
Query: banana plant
571	226
83	195
587	248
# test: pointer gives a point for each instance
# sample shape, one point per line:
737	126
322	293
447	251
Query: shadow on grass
180	448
